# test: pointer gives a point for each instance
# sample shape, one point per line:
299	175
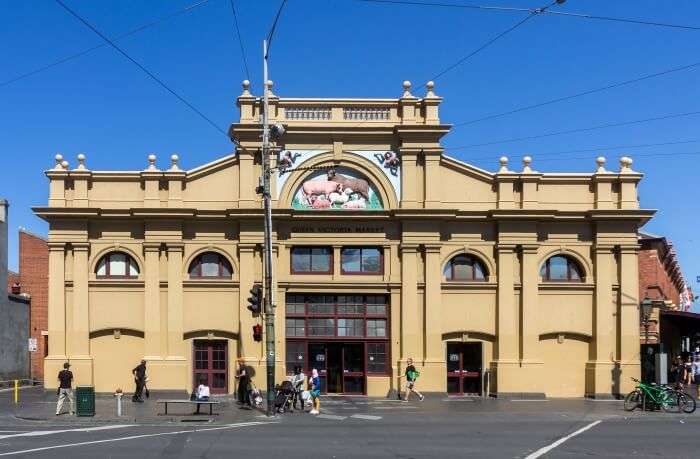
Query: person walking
315	383
695	370
298	383
65	390
243	385
411	374
140	379
688	370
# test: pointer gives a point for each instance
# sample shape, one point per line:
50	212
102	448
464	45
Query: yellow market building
512	282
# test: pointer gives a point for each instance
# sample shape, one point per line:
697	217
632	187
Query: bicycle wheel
670	402
633	400
687	402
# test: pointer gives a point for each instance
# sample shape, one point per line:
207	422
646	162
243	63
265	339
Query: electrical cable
559	13
580	94
532	13
465	6
240	40
102	45
144	69
274	26
593	128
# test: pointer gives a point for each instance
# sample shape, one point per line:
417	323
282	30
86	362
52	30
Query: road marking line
134	437
457	400
40	433
331	416
368	417
548	448
528	400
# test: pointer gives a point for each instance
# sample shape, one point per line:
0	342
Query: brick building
32	283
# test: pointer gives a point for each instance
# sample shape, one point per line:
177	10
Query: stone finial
59	160
81	162
407	89
527	160
174	167
503	161
246	88
600	162
625	165
430	85
64	165
151	163
269	85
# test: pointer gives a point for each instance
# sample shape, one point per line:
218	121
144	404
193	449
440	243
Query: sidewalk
37	404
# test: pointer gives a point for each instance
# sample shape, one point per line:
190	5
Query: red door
210	365
464	368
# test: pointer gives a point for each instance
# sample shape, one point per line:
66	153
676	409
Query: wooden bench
211	404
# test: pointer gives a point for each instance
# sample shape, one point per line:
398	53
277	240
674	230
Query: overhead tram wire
532	13
580	94
240	40
592	128
144	69
559	13
102	45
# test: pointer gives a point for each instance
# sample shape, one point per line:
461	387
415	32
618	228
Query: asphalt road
383	429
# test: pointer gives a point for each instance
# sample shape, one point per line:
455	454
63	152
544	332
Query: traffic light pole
269	309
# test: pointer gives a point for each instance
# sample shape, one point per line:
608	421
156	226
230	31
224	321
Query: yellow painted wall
113	361
563	372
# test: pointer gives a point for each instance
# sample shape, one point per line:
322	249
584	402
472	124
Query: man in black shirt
140	378
65	378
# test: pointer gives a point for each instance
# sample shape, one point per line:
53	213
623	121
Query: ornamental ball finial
59	160
174	159
503	161
430	85
626	161
406	85
81	161
600	160
64	164
246	84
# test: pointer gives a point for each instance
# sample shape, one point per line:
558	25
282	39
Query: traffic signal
255	299
257	332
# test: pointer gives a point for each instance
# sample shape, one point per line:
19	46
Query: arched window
210	265
117	264
465	268
561	268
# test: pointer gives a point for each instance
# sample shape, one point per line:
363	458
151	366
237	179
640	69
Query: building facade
508	282
14	318
32	284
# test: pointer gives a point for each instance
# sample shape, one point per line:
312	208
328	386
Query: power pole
269	311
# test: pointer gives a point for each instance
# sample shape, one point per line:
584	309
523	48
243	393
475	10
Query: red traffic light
257	332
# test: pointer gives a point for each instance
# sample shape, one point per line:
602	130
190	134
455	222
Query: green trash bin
85	401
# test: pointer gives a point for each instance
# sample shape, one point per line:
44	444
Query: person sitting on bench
202	393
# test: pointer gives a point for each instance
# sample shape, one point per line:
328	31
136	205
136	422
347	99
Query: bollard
119	395
16	391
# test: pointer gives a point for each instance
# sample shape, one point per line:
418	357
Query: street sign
33	345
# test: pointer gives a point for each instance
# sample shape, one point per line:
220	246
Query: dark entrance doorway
211	365
341	366
464	368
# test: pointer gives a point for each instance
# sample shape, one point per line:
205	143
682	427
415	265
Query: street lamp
646	307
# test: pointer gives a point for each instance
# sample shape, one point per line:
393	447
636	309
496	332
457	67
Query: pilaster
409	159
175	330
410	331
56	313
249	349
629	317
152	312
432	177
600	369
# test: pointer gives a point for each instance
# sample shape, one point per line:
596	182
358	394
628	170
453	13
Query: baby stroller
284	394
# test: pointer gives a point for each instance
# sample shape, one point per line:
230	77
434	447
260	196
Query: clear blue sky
102	105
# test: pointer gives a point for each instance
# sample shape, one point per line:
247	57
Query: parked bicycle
653	396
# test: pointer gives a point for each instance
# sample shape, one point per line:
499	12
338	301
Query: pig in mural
339	188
